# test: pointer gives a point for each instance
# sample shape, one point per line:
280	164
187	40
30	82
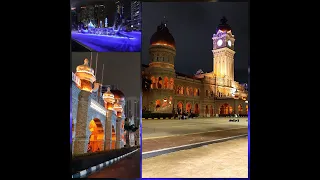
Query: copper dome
117	94
223	26
162	36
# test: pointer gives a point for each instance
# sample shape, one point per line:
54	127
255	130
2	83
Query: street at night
103	43
128	167
220	160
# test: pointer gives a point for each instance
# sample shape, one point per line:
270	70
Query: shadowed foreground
129	167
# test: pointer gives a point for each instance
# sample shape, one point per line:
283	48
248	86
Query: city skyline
192	25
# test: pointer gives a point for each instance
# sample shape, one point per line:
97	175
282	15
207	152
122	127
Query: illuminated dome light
163	43
223	26
118	108
236	94
86	75
109	99
162	36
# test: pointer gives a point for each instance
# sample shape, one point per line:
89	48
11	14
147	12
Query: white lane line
176	147
157	137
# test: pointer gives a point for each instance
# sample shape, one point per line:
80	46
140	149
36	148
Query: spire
102	73
96	64
164	21
224	20
90	59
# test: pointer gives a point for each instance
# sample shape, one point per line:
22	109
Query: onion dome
223	26
162	36
108	96
117	94
84	72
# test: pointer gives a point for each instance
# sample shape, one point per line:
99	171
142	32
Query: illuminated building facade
205	94
97	118
95	12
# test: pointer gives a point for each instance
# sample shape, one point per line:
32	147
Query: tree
129	128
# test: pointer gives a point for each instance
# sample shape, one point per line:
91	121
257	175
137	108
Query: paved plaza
220	160
168	127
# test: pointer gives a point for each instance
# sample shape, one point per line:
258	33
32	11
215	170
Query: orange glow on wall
163	43
86	85
97	136
119	114
109	106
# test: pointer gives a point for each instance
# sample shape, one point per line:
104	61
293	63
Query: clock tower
223	51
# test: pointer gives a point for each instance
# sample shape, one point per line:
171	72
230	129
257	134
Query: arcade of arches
162	83
188	108
96	137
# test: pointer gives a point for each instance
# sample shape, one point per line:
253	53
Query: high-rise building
132	107
96	12
136	15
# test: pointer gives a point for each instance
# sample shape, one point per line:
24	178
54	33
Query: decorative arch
113	138
196	109
179	107
187	91
96	137
153	82
166	83
160	83
240	109
158	103
191	91
188	107
171	82
195	92
225	109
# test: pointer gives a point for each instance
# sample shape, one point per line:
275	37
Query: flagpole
95	74
90	59
102	74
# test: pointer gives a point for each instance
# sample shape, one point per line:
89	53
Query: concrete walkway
221	160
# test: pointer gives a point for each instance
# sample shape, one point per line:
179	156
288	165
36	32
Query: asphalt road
76	47
102	43
162	128
220	160
129	167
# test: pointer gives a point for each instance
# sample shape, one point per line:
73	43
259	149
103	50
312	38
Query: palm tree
129	128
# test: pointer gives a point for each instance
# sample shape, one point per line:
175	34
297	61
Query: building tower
223	51
87	78
161	70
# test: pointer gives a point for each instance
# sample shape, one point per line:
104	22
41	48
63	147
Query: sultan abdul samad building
206	94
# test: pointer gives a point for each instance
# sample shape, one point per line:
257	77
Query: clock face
229	43
219	43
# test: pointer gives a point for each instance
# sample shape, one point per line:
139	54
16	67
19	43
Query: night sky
122	69
192	26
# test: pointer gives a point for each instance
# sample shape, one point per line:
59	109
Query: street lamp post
235	97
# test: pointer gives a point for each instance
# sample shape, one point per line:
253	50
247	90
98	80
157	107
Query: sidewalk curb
87	172
155	153
81	44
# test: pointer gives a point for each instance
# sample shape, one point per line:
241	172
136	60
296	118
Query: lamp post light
235	97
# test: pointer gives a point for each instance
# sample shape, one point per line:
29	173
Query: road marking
157	137
188	145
